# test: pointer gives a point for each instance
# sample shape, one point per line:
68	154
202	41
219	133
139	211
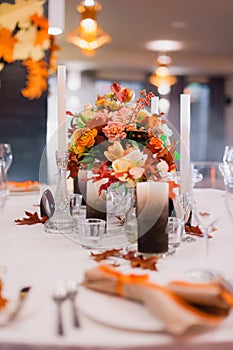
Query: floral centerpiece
119	141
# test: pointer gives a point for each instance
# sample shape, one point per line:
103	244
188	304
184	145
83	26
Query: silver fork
72	290
59	296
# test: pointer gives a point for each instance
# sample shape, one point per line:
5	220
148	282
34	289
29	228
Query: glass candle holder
61	221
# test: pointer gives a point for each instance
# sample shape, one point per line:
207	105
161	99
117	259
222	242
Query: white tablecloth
33	257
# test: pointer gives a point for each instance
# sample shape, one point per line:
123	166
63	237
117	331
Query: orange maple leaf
36	78
53	55
40	21
41	36
42	33
7	43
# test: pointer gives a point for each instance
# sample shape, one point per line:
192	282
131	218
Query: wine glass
182	202
6	155
207	207
6	159
226	168
228	154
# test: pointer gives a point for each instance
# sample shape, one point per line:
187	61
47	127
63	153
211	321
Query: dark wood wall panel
22	123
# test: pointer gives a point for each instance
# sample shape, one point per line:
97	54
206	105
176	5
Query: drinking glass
75	204
6	158
207	207
91	232
6	155
174	230
226	168
228	154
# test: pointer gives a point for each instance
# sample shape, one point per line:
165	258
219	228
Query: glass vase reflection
61	220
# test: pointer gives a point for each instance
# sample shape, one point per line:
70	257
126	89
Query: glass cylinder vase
61	221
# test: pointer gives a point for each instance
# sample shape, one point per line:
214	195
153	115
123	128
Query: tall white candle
61	100
185	169
154	105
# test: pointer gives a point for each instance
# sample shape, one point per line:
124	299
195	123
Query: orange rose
156	143
82	139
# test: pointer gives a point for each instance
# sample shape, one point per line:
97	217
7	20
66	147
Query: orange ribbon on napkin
3	301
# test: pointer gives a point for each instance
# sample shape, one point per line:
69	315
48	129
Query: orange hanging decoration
36	79
7	42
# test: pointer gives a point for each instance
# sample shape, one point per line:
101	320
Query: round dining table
29	256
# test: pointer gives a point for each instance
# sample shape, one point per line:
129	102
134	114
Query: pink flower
136	172
123	116
114	131
88	106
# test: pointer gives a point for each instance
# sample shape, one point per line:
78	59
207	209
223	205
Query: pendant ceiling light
88	35
162	77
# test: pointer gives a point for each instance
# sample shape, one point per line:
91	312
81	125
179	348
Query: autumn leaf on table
31	219
148	263
140	261
106	254
7	43
195	231
37	78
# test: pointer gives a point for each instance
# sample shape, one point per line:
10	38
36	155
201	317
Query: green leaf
87	160
80	124
115	185
163	138
177	155
90	166
134	143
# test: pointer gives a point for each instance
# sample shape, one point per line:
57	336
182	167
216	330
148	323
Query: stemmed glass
228	154
6	159
226	168
6	155
207	207
183	201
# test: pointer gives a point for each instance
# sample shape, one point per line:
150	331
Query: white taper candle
185	172
154	105
61	100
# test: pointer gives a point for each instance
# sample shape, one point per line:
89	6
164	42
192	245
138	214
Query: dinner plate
117	312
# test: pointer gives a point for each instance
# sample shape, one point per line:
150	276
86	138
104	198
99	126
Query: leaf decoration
40	21
106	254
37	78
42	33
53	55
3	301
140	261
7	42
31	219
195	231
20	10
